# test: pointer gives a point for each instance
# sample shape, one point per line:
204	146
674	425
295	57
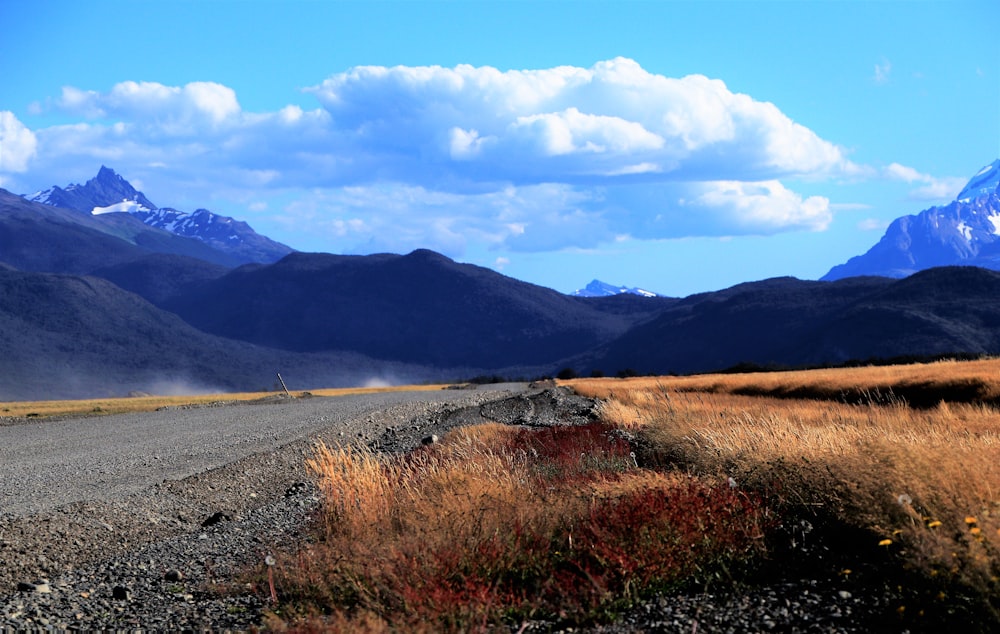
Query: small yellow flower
970	520
975	530
885	542
897	532
845	571
934	524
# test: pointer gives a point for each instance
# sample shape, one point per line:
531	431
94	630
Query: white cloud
764	207
882	71
17	144
174	110
931	188
873	224
555	124
405	157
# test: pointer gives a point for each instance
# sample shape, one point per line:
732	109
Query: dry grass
685	479
921	384
501	524
927	480
90	407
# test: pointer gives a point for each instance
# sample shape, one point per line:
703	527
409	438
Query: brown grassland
685	482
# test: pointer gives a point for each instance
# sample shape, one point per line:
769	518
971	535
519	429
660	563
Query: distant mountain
39	237
597	288
966	232
108	193
67	336
789	322
417	308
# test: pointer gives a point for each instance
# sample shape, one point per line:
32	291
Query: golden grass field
494	525
925	480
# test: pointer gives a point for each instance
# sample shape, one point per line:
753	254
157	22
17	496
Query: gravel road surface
51	463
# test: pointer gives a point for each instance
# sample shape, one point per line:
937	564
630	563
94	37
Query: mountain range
109	193
106	303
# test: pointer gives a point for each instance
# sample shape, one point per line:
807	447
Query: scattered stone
429	440
173	575
215	518
121	593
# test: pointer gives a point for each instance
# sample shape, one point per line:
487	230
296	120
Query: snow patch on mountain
984	183
127	206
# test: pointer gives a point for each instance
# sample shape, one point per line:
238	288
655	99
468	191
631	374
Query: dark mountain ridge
789	322
421	307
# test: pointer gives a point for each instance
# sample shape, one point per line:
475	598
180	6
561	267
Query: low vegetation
496	523
685	482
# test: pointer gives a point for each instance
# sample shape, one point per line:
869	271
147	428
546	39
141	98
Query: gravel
146	521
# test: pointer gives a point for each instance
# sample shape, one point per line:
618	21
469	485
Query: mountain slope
421	307
966	231
108	193
65	336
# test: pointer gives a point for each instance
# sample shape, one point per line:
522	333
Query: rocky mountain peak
984	183
109	192
964	232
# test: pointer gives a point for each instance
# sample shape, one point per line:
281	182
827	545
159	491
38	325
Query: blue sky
676	146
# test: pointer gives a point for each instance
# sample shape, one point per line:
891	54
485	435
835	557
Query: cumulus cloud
171	108
395	158
17	144
930	188
764	207
533	126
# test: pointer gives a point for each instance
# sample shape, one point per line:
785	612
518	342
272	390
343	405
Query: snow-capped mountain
963	232
104	193
597	288
108	192
984	183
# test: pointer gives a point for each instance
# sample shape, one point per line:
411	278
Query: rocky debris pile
551	406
